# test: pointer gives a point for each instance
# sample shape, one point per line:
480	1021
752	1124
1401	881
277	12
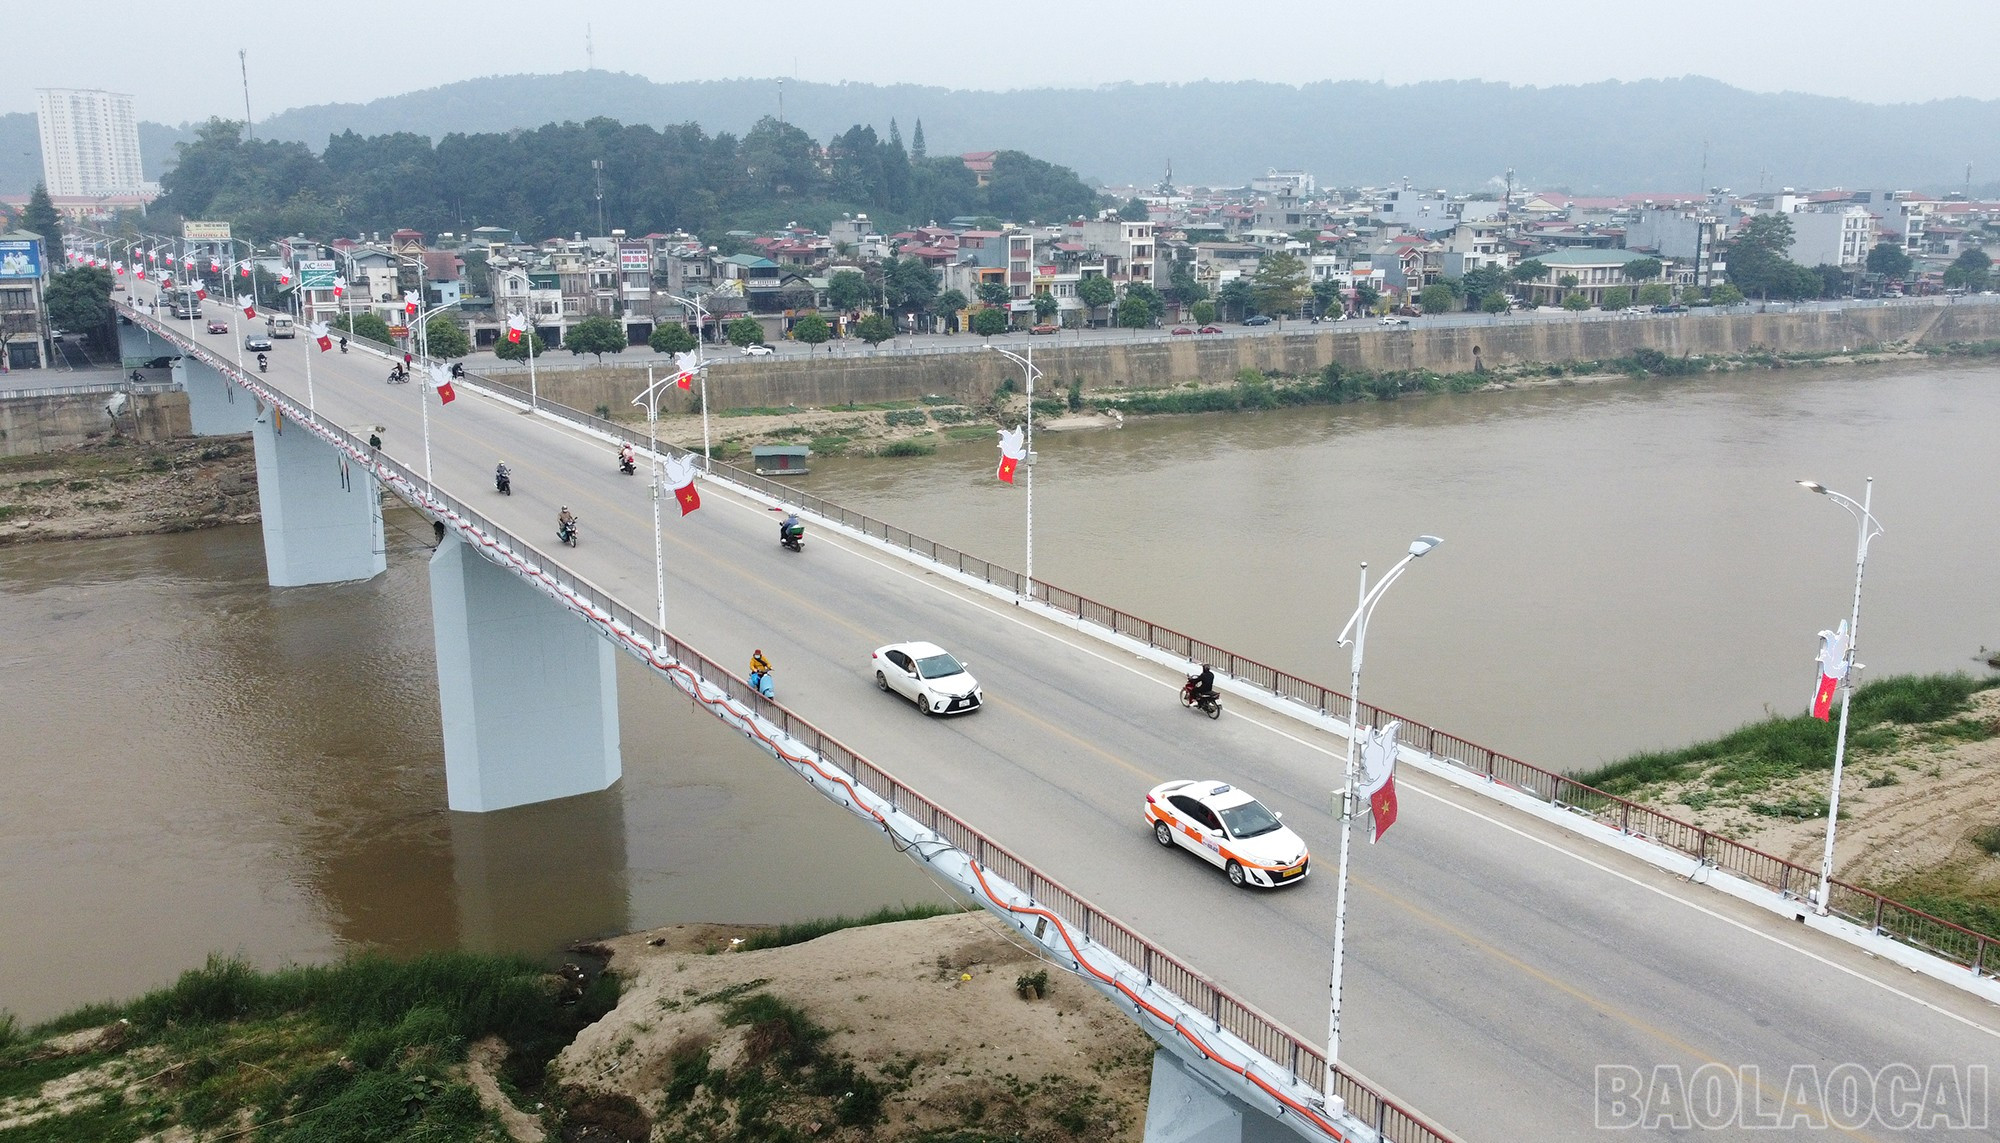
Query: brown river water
195	763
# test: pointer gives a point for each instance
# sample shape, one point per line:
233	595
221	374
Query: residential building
1277	182
90	143
1475	246
1427	212
1675	232
23	309
1902	216
1832	237
1126	247
1594	271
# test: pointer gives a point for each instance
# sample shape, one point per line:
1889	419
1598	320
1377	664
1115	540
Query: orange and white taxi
1229	829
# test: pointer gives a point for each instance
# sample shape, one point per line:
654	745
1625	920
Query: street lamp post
1866	529
651	398
1355	632
1028	370
701	371
421	342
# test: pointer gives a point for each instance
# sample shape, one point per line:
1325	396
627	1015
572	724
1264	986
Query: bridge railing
1305	1062
1912	926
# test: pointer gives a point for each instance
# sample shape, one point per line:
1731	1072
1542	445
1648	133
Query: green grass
907	448
805	931
907	417
970	433
1753	756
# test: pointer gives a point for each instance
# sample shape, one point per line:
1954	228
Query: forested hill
541	182
1646	135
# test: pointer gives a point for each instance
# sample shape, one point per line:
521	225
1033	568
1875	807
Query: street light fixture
1028	370
1355	632
701	371
651	398
1867	528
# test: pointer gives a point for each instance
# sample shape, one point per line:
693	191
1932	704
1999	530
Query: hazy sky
180	63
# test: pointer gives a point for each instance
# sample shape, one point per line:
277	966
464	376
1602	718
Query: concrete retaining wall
973	377
46	424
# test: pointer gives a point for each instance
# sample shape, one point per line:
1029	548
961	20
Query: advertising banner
316	275
21	258
205	231
634	258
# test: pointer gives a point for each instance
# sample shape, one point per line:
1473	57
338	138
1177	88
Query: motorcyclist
1204	683
502	478
758	663
628	459
263	363
343	343
457	371
565	519
790	526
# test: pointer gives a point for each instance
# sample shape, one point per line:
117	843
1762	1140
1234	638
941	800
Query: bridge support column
322	513
1184	1108
215	407
529	695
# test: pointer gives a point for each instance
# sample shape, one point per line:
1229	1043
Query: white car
1229	829
1395	321
756	350
927	675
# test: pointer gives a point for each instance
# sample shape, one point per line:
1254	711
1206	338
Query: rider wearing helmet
565	518
1204	683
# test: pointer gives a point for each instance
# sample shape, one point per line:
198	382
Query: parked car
1392	319
217	326
1257	319
1181	329
1229	829
159	363
257	343
1675	308
756	350
57	334
1208	329
1045	328
928	675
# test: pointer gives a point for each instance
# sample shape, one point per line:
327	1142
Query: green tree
531	342
1095	291
1888	260
1134	313
948	304
595	334
847	290
1280	283
1574	300
744	332
366	326
1144	291
1726	295
813	330
1237	299
1365	296
1480	282
1326	297
988	321
1045	307
1203	312
445	338
1183	286
1616	298
1437	299
40	218
1644	269
1656	294
912	286
1133	211
1970	271
1529	269
1834	281
1495	302
79	300
1569	281
993	293
876	328
671	337
1757	257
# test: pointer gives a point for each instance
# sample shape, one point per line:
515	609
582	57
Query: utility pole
597	168
781	99
589	50
243	62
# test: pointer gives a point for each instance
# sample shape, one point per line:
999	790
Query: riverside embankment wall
1110	363
53	422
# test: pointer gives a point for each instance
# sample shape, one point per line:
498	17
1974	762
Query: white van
279	325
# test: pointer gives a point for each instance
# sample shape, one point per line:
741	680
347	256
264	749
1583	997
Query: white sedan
759	350
1229	829
927	675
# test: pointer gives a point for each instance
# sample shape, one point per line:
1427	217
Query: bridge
1505	945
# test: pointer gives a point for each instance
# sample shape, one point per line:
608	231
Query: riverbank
934	1028
120	487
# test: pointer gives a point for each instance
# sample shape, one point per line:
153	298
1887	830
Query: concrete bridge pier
528	694
322	512
1185	1108
215	407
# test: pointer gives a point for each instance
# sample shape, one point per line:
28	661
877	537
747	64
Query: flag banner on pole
1378	777
138	271
516	326
410	303
320	335
441	381
215	266
243	270
339	286
680	477
201	292
284	277
1832	669
1011	451
249	306
687	363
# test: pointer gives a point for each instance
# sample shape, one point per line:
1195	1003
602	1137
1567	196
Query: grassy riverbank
1919	800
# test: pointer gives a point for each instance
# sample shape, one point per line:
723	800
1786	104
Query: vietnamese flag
410	303
201	292
244	270
319	332
1011	452
215	265
516	326
1822	707
1378	776
687	363
339	286
441	381
284	277
680	476
139	271
249	306
1834	654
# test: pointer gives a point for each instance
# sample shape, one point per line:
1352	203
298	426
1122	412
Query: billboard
21	258
634	258
205	231
316	274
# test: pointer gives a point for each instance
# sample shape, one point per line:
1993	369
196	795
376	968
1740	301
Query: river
202	764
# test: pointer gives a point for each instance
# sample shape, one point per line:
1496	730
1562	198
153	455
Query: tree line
542	182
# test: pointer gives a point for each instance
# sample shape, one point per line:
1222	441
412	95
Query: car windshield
937	666
1250	819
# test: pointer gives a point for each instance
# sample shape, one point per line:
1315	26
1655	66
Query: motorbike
1209	704
792	536
398	375
503	480
566	532
762	681
343	345
627	464
262	364
457	371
